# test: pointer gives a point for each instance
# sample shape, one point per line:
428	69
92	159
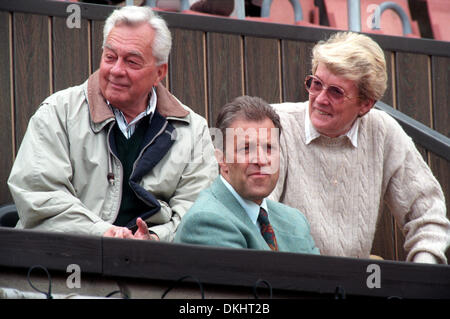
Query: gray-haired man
101	158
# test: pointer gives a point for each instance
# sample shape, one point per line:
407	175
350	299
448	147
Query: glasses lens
315	86
335	93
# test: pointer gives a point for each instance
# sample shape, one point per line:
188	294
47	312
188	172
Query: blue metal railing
354	15
397	9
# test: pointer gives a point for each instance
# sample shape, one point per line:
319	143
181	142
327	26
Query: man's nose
118	67
261	157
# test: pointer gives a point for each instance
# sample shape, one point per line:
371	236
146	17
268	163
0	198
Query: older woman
341	158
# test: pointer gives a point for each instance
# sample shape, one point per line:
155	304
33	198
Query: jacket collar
252	209
223	195
167	105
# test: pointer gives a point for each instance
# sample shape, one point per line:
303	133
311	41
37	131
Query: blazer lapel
223	195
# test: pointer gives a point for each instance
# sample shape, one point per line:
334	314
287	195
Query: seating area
389	23
225	57
370	16
439	15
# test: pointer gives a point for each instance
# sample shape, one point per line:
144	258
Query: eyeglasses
314	86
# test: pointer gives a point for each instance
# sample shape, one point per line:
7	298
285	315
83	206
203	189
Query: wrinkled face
335	119
128	68
251	162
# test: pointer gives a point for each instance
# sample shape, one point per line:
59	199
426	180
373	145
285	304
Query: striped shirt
128	128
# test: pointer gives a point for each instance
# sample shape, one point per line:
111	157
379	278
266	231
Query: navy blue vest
154	141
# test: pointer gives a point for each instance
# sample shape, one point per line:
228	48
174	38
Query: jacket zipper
140	155
111	171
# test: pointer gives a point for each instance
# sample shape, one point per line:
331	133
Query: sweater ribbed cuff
425	258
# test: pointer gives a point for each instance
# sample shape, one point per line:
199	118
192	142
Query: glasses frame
325	87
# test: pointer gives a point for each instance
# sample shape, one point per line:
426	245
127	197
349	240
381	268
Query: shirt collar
251	208
311	132
128	128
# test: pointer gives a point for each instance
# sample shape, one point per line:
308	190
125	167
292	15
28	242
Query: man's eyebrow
134	53
109	47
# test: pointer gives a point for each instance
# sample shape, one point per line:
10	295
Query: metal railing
353	11
354	15
420	133
397	9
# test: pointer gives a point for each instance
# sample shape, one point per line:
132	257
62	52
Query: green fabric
217	219
128	151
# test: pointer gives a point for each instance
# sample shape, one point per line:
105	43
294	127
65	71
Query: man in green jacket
234	211
119	152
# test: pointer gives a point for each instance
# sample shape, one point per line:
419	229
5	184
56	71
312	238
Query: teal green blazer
217	219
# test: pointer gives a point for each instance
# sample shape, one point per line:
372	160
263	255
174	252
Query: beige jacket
59	180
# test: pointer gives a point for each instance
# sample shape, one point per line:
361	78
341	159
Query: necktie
267	230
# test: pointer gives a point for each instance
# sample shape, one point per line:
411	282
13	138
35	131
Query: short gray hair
133	15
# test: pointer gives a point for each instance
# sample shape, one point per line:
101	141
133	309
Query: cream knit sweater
341	188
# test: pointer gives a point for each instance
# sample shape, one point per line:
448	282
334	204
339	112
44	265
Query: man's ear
220	157
162	72
366	106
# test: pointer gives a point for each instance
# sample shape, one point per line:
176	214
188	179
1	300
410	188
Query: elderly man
118	153
341	159
234	212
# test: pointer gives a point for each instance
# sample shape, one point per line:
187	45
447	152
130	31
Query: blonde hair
355	57
133	15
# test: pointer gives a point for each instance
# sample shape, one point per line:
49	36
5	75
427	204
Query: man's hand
142	232
122	232
118	232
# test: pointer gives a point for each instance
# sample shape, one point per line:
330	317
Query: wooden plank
388	96
441	118
413	86
187	69
441	170
383	244
287	271
262	68
97	43
6	124
296	65
412	99
440	73
225	71
31	67
440	77
70	54
26	248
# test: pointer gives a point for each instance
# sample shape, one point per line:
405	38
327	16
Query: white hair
133	15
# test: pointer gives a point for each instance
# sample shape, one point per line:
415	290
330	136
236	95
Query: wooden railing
212	61
145	269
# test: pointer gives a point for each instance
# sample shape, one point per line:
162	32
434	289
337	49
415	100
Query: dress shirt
128	128
311	133
251	208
